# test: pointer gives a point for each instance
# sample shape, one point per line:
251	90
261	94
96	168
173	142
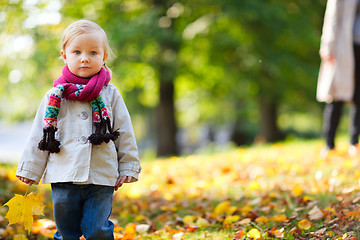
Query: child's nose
84	58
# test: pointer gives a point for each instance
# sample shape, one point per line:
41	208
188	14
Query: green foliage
223	55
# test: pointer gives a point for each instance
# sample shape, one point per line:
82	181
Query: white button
83	139
84	115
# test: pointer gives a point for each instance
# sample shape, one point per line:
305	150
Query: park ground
275	191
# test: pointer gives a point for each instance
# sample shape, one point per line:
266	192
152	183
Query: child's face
85	54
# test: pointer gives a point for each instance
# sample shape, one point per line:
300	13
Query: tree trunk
268	124
239	136
166	123
167	69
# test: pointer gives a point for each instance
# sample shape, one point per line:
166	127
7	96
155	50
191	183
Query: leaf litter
278	191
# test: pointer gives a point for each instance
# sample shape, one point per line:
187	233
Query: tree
269	48
166	63
183	63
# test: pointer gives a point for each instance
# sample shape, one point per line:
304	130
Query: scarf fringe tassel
49	143
97	138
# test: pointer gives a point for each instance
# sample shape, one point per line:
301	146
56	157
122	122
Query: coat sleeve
332	20
33	161
128	156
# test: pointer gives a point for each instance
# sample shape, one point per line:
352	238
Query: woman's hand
26	180
121	180
328	58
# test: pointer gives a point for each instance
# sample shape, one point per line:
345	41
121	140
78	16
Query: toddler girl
82	140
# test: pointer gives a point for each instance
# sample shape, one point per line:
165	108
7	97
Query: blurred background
195	75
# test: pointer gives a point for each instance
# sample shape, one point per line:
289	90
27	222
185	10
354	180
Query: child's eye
77	52
93	53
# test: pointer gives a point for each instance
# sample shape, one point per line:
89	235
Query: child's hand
121	180
26	180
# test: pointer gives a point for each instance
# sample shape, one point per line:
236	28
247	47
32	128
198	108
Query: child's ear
63	55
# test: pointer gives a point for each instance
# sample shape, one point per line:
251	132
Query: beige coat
336	80
79	161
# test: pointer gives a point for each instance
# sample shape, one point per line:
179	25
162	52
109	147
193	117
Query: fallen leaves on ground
279	191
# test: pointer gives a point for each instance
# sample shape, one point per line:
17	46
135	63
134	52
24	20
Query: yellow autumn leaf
297	190
307	198
20	237
262	219
189	220
304	224
231	219
22	209
139	218
330	233
202	222
245	221
130	228
330	210
246	209
254	234
222	207
279	218
231	210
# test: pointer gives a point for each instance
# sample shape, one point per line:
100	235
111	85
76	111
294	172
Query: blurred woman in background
339	76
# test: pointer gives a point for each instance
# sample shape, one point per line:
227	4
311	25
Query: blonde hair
85	26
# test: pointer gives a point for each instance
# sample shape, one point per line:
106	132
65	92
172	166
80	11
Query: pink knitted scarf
72	87
92	87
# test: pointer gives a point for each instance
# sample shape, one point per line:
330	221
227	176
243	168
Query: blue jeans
82	210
